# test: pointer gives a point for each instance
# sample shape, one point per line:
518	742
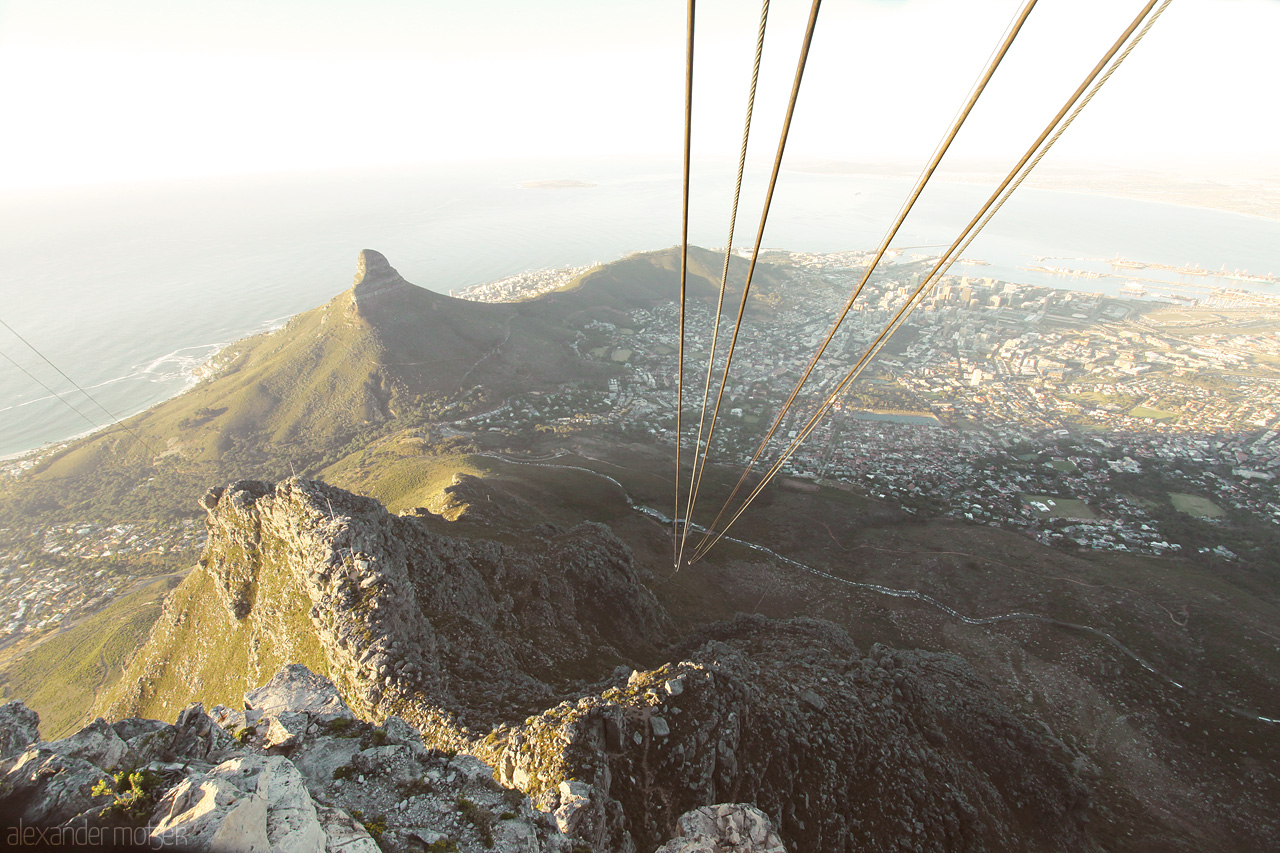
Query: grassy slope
401	473
184	659
333	376
642	280
61	677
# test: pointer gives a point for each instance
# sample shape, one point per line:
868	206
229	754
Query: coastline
195	375
246	270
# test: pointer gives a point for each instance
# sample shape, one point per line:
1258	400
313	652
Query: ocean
127	290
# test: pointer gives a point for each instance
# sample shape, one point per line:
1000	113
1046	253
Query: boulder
318	760
97	743
296	688
512	836
344	834
19	728
579	815
813	700
204	808
133	727
286	729
399	731
46	788
395	762
252	803
724	828
473	769
228	719
199	737
154	745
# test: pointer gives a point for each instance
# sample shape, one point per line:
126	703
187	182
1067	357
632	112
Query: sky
143	90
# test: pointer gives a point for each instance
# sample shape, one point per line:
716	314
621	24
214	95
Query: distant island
555	185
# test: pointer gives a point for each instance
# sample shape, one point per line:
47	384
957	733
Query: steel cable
75	385
695	477
755	252
60	398
1052	132
975	92
684	271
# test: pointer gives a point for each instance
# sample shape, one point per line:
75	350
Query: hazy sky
98	91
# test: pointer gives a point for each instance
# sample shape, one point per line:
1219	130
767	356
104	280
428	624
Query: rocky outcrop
39	787
843	751
436	642
295	689
452	634
725	828
19	726
336	784
374	275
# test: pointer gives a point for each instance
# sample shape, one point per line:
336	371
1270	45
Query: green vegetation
342	391
1153	414
178	665
443	845
328	383
1050	506
402	475
346	771
61	676
1195	505
1188	519
342	727
479	817
134	795
375	826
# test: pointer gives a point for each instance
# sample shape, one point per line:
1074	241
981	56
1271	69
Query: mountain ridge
1044	634
477	644
373	356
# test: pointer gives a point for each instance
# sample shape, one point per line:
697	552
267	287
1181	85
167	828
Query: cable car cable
684	271
1034	154
913	196
764	216
695	476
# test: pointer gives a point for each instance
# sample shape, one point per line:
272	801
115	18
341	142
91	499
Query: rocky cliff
294	771
504	650
844	750
451	633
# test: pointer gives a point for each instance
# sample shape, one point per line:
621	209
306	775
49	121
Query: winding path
1014	616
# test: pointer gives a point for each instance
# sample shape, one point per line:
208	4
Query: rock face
726	828
339	784
19	726
448	633
374	275
843	751
296	688
467	645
